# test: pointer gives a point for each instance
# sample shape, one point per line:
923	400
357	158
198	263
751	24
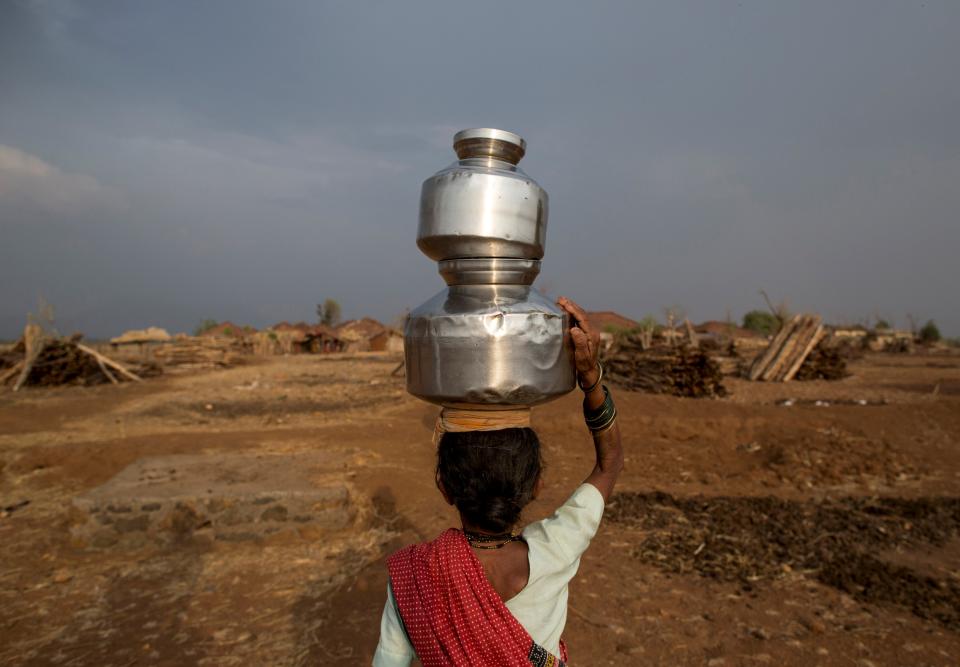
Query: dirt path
705	559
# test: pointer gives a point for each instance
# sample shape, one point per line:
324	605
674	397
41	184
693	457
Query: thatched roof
148	335
362	329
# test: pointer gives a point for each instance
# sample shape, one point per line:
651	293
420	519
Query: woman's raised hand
586	343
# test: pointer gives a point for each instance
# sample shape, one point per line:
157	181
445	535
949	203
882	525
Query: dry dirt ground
799	524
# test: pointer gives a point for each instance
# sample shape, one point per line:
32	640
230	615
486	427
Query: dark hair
490	475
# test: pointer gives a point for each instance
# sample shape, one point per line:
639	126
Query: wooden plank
10	372
110	362
814	341
791	348
801	351
103	367
33	344
772	349
797	342
691	334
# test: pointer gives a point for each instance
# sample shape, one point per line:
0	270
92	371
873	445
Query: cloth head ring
455	420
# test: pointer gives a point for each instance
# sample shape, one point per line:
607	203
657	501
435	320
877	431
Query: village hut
290	338
854	333
141	337
299	338
145	340
320	339
388	340
357	334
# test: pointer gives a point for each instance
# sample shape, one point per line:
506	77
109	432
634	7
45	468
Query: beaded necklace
485	541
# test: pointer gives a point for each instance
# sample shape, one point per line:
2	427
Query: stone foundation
211	497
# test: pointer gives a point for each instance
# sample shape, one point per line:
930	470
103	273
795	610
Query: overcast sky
165	162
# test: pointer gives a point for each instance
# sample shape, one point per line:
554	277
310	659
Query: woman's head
490	476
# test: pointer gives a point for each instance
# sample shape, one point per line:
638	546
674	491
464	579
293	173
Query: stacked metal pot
489	340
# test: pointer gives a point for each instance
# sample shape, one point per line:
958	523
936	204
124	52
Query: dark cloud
244	161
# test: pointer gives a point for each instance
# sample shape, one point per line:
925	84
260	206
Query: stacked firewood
786	353
43	360
824	363
680	371
198	352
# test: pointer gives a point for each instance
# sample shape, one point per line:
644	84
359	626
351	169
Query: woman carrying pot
489	592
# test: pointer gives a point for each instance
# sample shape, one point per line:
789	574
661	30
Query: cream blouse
555	545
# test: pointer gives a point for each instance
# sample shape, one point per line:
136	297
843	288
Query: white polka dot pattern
451	612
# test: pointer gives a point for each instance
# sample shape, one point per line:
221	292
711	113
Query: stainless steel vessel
483	205
489	340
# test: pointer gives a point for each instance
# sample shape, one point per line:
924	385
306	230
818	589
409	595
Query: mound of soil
752	538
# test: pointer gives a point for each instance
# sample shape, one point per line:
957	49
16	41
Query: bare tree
781	311
328	312
672	315
912	322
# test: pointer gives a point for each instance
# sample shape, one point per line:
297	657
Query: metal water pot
489	340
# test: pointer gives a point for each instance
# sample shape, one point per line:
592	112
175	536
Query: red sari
452	614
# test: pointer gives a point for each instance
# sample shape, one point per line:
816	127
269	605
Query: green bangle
604	427
601	419
590	415
602	416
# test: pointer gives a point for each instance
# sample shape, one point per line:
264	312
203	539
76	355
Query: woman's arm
394	648
586	345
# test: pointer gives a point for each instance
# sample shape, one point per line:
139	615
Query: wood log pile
199	352
787	353
677	371
42	360
824	363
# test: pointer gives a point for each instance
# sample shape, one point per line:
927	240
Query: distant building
321	339
141	336
388	340
855	332
358	334
891	340
299	338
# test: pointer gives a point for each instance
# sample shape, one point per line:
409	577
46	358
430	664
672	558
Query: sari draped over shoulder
452	614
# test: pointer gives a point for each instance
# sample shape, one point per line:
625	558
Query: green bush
929	333
762	322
